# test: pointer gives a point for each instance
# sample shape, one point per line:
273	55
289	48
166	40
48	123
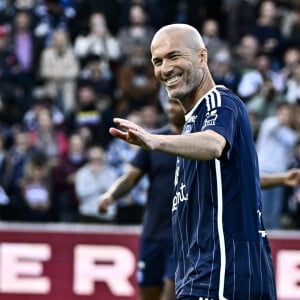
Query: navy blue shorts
156	262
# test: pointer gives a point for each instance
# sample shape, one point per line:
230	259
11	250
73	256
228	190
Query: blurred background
67	67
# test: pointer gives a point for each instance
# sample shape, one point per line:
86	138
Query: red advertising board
285	247
70	262
61	262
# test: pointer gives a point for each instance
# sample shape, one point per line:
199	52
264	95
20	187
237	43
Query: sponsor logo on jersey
180	196
210	119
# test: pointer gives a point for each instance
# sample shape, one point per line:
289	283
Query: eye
157	63
173	56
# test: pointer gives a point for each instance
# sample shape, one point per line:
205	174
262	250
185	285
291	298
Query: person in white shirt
91	180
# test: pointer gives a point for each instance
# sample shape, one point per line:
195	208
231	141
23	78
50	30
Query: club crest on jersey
189	124
187	128
210	120
192	119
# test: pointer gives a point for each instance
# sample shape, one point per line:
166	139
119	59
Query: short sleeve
222	120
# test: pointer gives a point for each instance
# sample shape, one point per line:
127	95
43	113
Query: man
275	149
92	179
221	248
156	265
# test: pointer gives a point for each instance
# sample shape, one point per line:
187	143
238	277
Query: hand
292	177
133	134
104	202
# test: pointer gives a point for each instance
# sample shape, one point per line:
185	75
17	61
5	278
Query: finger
126	124
121	122
118	120
102	209
118	133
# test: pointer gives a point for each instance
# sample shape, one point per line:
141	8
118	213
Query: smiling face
180	62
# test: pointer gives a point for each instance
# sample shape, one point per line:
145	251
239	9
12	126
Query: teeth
172	80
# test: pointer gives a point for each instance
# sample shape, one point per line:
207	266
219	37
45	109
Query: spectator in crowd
50	16
291	25
242	15
136	83
93	115
156	17
211	9
59	69
269	94
47	138
152	116
86	8
137	33
292	91
40	102
99	41
268	33
275	143
265	101
252	81
221	68
245	53
211	36
91	180
20	153
11	87
65	201
177	11
23	41
6	11
290	59
102	79
21	5
24	45
36	189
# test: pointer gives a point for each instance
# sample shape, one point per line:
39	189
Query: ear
203	57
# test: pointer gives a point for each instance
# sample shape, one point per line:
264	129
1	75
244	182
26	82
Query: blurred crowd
67	67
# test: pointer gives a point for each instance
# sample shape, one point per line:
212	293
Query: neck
207	83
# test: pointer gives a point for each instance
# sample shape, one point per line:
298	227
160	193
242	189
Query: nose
166	68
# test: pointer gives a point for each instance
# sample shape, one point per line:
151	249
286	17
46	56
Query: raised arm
202	145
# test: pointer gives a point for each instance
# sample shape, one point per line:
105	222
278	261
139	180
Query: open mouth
172	80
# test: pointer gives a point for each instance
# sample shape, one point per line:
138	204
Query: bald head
187	34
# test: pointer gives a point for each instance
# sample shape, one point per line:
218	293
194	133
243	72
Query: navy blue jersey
160	168
220	243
